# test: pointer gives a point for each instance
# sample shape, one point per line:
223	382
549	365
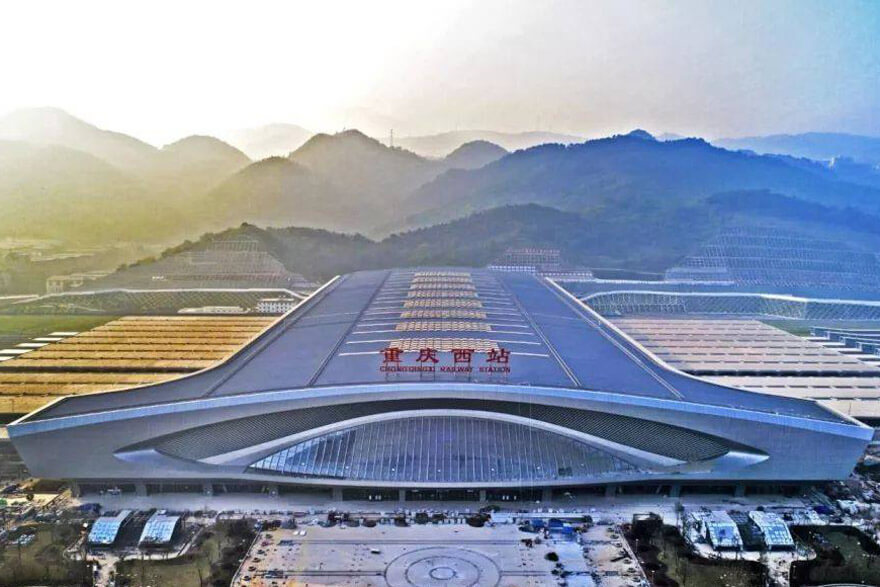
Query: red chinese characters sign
497	360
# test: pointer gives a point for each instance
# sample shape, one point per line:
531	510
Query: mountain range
279	140
61	177
644	238
347	181
52	126
627	170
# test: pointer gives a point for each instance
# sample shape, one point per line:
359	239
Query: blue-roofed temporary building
440	378
106	528
773	529
159	529
721	531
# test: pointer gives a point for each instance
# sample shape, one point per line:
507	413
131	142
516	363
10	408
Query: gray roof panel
337	337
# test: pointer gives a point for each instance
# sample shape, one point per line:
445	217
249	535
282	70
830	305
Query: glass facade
444	449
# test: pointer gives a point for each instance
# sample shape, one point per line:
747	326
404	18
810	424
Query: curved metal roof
337	337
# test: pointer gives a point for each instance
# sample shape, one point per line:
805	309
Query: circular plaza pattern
442	567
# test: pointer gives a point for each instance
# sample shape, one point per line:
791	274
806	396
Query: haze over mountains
52	126
347	181
626	169
813	145
271	140
279	140
648	239
474	155
61	177
439	145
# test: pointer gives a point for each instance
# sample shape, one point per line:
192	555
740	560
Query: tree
737	575
212	552
684	570
83	559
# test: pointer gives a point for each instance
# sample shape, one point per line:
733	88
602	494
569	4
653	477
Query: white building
276	305
62	283
213	310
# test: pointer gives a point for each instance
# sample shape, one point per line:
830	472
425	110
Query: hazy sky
161	70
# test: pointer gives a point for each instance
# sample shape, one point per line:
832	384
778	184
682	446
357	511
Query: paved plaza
441	555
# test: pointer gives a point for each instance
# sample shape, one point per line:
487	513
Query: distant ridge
277	192
198	162
201	147
440	145
53	126
474	155
630	171
812	145
345	181
61	177
370	172
603	238
641	134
